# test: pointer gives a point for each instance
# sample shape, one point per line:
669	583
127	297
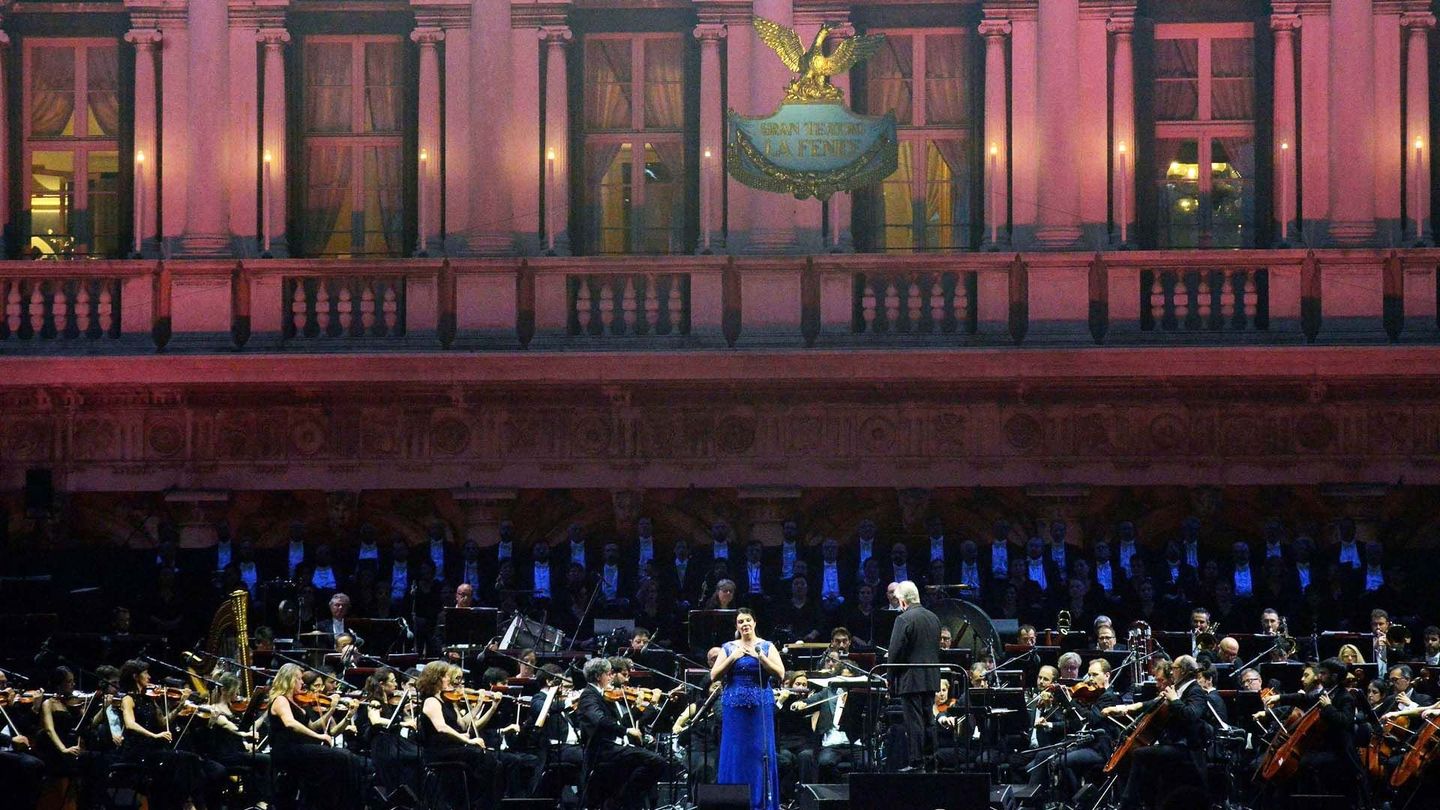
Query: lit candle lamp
1124	193
139	225
550	199
265	191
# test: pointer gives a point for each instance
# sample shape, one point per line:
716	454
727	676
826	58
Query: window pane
662	216
664	83
102	199
1179	186
328	93
890	74
947	197
607	84
1232	191
946	98
895	225
1177	83
102	86
384	218
608	166
328	205
52	202
384	73
1232	88
52	91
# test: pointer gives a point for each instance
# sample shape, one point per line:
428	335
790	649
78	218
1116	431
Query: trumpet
1207	640
1284	642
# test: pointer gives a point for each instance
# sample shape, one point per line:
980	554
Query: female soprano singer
750	667
329	774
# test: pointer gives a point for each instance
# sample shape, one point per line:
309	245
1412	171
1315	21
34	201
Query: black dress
396	758
329	776
176	775
438	746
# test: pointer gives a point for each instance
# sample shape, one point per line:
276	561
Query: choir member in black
327	774
60	722
550	728
611	745
795	719
21	772
445	730
232	746
518	770
379	725
1180	749
178	775
1335	766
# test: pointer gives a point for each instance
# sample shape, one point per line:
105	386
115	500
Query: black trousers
23	774
635	770
1172	765
919	724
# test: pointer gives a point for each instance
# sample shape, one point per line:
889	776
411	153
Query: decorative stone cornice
427	37
539	14
157	13
258	13
447	14
723	12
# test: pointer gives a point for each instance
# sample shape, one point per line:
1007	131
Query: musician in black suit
611	744
1335	766
1182	742
916	640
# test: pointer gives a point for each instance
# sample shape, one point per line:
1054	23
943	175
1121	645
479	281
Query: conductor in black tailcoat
916	640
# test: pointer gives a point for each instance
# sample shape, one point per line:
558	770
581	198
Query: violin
22	698
165	692
481	696
944	706
1086	692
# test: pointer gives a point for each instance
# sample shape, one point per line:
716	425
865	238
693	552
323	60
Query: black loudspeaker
722	797
39	489
527	804
922	791
824	797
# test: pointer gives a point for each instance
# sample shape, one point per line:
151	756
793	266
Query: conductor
916	641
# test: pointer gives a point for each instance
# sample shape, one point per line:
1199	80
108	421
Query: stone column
496	77
1286	156
997	134
460	164
1417	118
557	137
173	142
1352	136
4	131
427	202
1122	115
711	214
146	42
272	139
1058	217
205	141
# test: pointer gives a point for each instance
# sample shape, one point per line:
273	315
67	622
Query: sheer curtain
383	166
890	78
383	71
607	84
327	86
946	184
896	208
102	85
607	212
663	214
1232	93
664	83
52	90
1176	79
946	99
327	196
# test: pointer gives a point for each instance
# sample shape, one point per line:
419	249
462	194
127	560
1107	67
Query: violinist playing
611	744
147	712
552	731
20	770
232	746
1334	766
384	724
1180	748
1085	705
795	718
60	721
329	774
518	770
446	726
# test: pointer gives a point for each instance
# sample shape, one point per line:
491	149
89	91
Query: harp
229	637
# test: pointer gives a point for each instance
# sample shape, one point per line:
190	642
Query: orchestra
1092	723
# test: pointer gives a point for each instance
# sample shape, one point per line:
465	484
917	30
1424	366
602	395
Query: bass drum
970	627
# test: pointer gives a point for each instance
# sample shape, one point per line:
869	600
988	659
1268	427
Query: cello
1283	761
1145	731
1422	752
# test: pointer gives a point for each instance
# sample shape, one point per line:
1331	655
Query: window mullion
1203	68
917	81
357	87
637	83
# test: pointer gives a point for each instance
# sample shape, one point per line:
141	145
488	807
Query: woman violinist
330	775
383	724
445	726
61	748
147	713
229	744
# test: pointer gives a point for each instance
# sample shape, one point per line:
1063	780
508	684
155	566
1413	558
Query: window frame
80	147
358	140
636	137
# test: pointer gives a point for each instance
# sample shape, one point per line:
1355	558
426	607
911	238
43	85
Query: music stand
381	635
475	626
710	628
524	632
1288	673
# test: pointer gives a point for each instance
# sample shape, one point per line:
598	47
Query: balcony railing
704	302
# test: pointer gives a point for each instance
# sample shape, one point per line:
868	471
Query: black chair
126	785
440	774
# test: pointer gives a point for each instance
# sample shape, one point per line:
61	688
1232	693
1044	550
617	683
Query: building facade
479	247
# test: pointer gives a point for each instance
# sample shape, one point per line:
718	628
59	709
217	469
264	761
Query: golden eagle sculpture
813	68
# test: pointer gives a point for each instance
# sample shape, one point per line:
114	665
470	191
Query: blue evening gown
747	730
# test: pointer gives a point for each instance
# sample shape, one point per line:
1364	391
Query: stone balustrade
687	302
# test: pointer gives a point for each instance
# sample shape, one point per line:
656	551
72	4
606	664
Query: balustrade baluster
937	303
1249	298
1204	302
37	308
912	304
892	303
627	305
324	318
12	308
82	308
674	311
297	308
582	304
390	310
367	307
960	302
607	304
1157	299
867	305
652	304
347	315
1182	300
107	308
1228	280
60	310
